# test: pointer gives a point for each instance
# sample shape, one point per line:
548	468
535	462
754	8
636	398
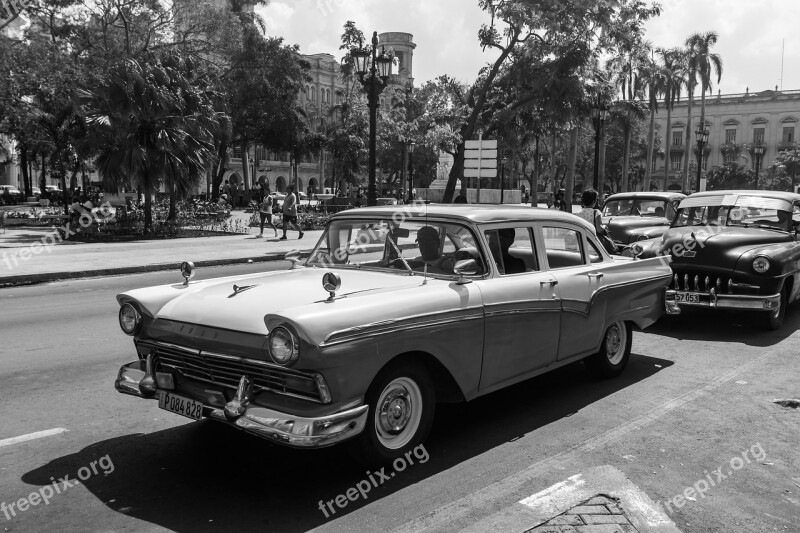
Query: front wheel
773	320
615	350
401	405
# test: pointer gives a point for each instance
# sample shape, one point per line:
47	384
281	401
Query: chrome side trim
393	326
522	307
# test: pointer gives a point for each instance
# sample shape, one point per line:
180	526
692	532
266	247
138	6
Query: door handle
552	283
597	275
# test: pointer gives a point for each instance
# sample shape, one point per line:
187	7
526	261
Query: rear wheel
615	350
773	320
401	405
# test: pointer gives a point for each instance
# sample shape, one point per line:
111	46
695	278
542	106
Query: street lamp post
758	151
599	116
379	70
410	147
702	139
503	163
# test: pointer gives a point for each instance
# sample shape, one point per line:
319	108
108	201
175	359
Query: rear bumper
724	301
276	426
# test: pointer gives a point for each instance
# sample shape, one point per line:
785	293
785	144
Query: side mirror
293	257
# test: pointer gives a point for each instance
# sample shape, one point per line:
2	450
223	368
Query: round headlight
284	347
129	319
761	264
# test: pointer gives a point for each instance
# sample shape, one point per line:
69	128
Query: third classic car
396	309
637	216
733	250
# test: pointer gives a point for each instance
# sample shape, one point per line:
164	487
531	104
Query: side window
671	209
563	247
594	254
512	250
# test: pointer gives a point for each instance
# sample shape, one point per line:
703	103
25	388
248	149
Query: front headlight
284	348
129	319
761	264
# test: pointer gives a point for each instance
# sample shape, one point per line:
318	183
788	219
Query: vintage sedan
637	216
733	250
394	310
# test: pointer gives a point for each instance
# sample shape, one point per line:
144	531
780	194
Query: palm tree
652	79
702	61
673	78
150	124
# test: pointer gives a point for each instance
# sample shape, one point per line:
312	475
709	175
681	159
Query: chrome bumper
725	301
138	379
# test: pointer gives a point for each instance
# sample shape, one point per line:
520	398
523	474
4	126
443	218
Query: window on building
730	136
758	135
654	163
788	134
730	158
675	160
677	138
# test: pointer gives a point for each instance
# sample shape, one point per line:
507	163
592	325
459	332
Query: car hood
716	246
216	303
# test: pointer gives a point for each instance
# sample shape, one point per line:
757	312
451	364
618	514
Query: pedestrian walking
290	212
591	214
265	211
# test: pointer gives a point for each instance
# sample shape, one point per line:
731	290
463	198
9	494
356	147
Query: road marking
439	519
31	436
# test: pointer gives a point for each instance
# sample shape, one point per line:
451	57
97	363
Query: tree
149	122
652	78
785	170
702	61
730	176
672	76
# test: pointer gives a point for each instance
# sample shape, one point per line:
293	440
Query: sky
750	34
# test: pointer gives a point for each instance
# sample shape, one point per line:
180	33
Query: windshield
380	244
733	210
639	207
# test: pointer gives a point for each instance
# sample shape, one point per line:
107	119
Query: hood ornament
238	290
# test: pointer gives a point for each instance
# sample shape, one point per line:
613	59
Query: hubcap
615	342
398	413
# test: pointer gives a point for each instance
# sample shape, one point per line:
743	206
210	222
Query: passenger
512	265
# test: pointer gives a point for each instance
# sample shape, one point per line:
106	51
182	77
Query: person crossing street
290	213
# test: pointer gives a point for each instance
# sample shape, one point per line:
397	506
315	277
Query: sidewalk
25	260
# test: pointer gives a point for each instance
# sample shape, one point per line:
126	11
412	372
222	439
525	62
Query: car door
577	264
521	312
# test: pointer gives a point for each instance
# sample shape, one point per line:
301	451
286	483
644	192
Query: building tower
403	46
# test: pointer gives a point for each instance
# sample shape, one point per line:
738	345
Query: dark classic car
735	250
394	310
637	216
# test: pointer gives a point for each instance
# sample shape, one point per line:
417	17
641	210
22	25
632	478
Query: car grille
227	370
700	282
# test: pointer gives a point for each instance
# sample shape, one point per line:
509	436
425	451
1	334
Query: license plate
687	297
180	405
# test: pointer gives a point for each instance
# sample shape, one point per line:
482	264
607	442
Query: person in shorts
265	212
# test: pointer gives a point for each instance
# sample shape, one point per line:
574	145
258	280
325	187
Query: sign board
480	172
480	154
481	144
480	163
10	10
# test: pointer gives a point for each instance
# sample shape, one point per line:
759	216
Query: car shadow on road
721	326
205	476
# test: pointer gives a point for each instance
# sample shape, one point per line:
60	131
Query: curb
34	279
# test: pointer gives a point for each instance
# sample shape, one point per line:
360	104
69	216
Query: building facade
736	122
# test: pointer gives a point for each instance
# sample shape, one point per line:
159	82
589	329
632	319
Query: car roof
479	214
780	195
655	195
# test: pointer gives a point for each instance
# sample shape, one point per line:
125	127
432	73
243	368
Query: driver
428	240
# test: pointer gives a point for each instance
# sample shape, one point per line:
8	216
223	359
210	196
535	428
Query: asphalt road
698	392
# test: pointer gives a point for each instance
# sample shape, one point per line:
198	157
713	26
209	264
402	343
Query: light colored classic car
637	216
733	250
396	309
